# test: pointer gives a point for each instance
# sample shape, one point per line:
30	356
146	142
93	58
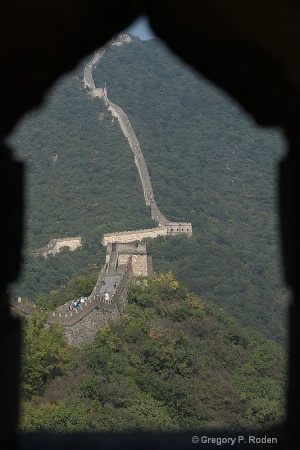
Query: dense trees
43	276
45	355
171	363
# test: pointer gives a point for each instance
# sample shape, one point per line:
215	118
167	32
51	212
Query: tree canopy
173	362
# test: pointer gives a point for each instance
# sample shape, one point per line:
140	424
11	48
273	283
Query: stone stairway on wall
113	261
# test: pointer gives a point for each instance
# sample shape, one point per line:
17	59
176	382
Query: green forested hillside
208	164
172	363
76	165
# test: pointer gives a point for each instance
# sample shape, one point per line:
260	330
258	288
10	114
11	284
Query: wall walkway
130	135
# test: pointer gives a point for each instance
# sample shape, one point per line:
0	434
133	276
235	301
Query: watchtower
118	253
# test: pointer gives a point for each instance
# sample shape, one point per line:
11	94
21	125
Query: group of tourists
81	300
78	302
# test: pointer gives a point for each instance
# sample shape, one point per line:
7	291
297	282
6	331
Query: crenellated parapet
175	228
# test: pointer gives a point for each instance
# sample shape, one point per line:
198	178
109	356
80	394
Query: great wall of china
126	256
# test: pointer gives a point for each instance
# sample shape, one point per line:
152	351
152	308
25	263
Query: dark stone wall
85	329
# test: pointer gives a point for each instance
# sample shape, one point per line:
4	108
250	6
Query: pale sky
141	29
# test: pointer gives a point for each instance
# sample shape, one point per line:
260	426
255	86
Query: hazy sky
141	29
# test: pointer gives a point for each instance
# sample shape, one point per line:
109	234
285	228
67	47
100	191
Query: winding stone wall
170	229
133	142
125	255
55	245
